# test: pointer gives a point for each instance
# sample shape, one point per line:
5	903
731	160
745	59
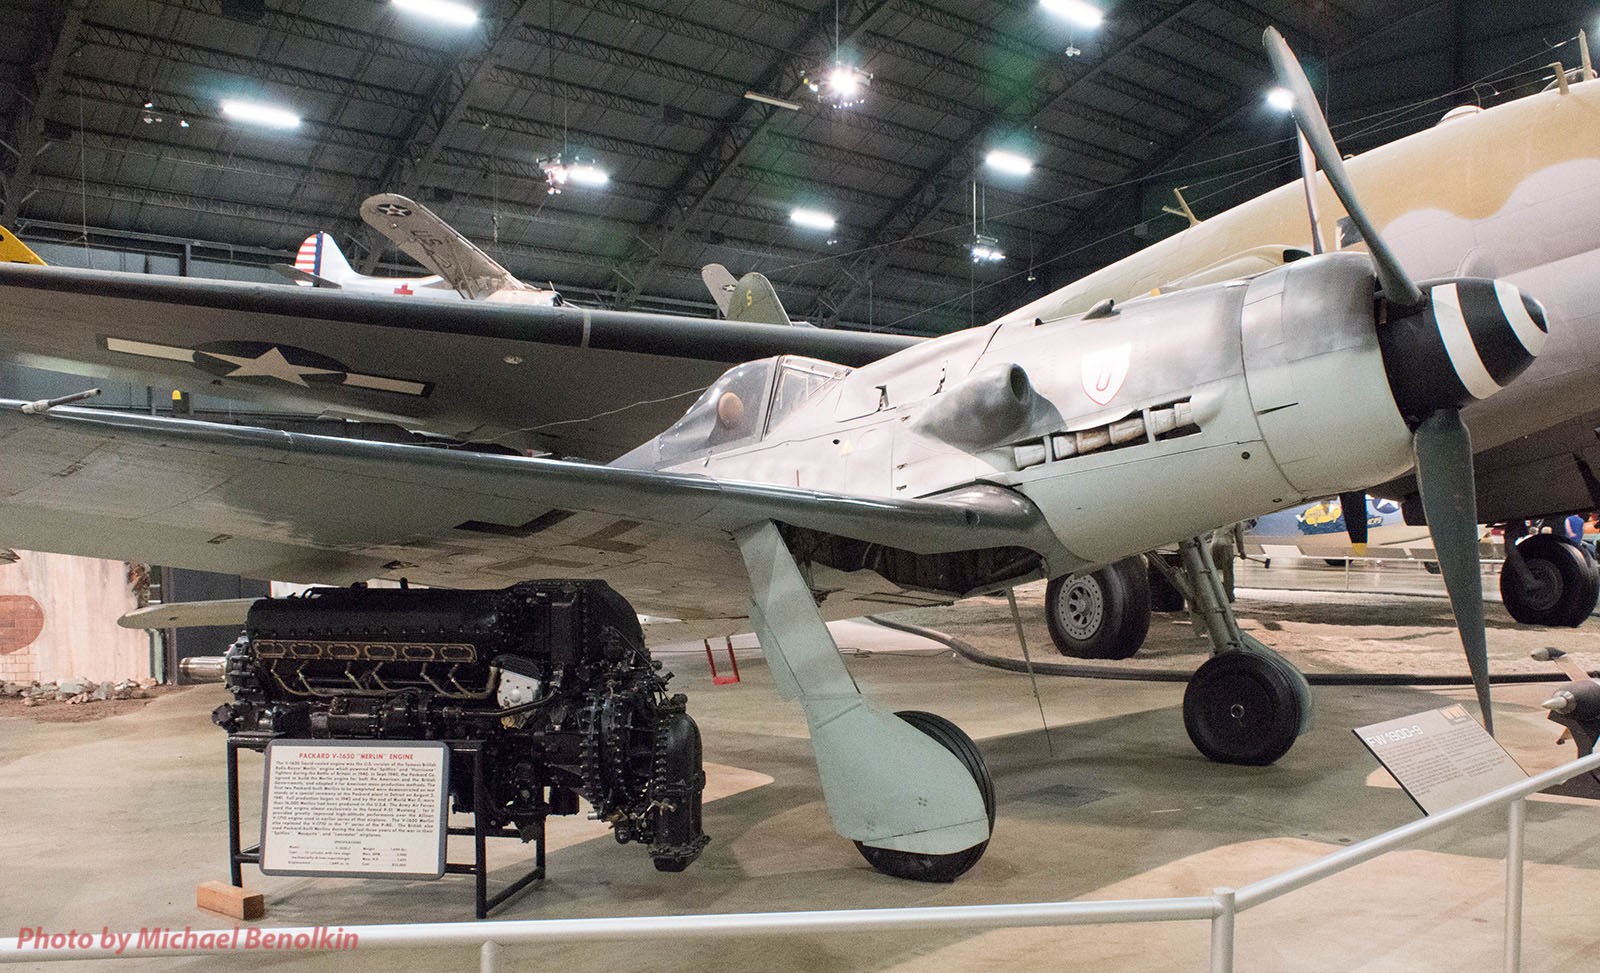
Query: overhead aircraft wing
435	244
572	381
270	504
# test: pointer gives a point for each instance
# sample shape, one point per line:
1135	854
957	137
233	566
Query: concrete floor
114	823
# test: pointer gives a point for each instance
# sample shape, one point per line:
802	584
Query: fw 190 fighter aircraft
797	489
461	271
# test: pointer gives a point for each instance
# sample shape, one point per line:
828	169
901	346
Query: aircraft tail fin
321	260
14	251
751	298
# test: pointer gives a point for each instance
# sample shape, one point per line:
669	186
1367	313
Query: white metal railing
1219	908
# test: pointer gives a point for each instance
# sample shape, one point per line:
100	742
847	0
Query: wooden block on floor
230	900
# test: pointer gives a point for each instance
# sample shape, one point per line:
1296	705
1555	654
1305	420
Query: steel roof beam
313	81
128	97
733	88
301	25
927	198
723	152
28	137
434	122
1247	97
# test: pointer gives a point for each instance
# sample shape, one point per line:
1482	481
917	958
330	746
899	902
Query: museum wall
58	620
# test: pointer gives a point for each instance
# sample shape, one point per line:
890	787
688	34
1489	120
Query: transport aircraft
828	474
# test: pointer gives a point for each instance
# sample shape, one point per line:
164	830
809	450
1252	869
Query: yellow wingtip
15	251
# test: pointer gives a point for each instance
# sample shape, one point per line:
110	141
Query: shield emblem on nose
1104	371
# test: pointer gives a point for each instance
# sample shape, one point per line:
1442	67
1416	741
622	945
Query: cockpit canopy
741	406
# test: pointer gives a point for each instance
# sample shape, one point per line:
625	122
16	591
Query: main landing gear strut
909	788
1247	704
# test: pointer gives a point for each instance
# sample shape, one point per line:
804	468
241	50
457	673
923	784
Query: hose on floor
1128	673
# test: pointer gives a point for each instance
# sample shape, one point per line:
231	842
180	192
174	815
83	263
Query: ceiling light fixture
814	219
1009	163
259	114
1080	12
841	85
559	171
1281	99
458	14
986	249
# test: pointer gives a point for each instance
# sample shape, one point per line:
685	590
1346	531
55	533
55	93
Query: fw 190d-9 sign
355	808
1441	758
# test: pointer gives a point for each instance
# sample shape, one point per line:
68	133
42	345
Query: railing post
489	957
1516	819
1222	931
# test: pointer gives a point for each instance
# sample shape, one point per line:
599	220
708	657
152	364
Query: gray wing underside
290	507
566	380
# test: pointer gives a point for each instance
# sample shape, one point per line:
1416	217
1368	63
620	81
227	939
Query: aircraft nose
1468	340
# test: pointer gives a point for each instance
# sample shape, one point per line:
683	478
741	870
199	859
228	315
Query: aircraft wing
1555	470
436	245
270	504
567	380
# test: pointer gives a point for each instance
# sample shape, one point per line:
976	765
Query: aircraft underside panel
312	519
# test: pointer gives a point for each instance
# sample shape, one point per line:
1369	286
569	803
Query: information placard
359	808
1442	757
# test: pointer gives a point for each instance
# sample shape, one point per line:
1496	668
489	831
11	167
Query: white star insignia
272	364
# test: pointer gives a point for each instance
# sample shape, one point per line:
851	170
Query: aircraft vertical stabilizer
318	263
751	298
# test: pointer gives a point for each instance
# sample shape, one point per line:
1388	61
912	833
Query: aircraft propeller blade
1354	506
1443	451
1397	285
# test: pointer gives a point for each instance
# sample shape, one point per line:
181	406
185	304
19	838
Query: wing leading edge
569	380
266	503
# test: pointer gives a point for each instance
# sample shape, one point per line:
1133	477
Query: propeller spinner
1443	346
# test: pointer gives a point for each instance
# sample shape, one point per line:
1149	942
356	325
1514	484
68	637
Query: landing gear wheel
1103	615
1566	583
1164	597
1241	708
938	868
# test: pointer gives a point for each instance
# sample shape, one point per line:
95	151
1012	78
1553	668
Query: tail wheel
1101	615
939	868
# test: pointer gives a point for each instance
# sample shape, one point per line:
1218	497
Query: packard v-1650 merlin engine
550	679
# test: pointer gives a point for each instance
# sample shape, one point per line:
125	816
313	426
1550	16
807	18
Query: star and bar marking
265	360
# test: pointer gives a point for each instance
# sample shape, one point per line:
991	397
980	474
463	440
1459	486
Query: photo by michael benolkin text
187	938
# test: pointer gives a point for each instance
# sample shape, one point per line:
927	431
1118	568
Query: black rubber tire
1569	583
1102	615
939	868
1164	597
1242	708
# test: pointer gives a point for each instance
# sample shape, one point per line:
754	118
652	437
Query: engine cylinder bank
550	679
